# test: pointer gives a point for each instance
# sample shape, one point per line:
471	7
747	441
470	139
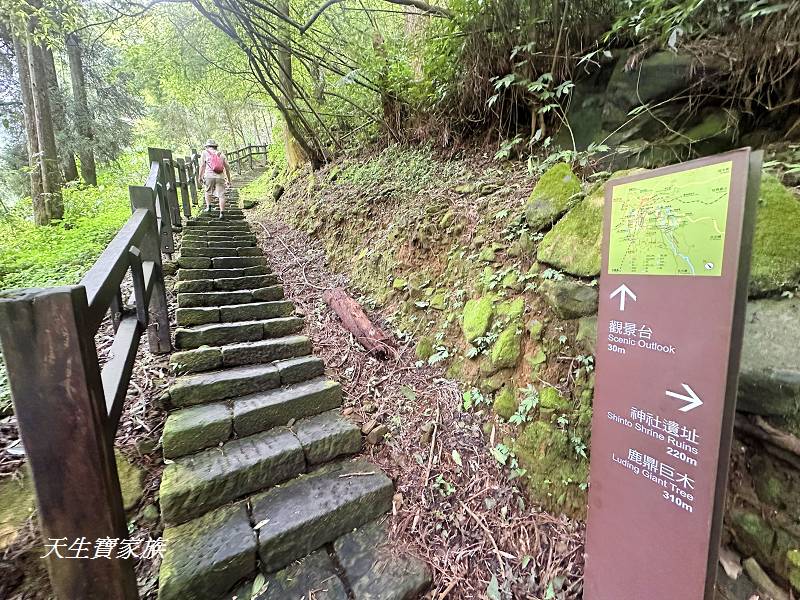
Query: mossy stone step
206	299
374	569
264	351
190	390
219	236
253	311
260	411
314	576
278	344
206	557
206	252
220	385
230	224
218	334
227	284
189	274
224	262
193	485
231	243
315	509
327	436
195	428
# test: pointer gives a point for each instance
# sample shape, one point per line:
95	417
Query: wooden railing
247	153
67	407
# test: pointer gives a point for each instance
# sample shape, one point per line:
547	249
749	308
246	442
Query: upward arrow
622	291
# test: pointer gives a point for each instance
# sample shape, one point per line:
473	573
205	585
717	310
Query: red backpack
215	162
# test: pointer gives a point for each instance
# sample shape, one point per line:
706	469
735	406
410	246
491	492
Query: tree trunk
48	154
58	110
295	155
83	118
40	208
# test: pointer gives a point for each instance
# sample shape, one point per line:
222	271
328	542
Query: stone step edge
187	390
195	484
270	347
202	559
195	428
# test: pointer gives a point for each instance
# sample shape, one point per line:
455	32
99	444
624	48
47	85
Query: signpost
676	257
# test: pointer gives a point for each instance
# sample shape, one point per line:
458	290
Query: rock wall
507	299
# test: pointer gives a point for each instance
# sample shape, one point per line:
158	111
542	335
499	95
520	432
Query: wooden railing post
172	189
61	413
158	334
182	180
162	205
250	155
191	175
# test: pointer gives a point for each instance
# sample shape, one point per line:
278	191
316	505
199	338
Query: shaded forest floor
455	506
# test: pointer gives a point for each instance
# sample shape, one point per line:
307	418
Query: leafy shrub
60	254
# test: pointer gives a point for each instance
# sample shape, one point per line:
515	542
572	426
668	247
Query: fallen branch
371	337
764	431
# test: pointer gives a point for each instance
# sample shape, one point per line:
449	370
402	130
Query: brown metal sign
676	253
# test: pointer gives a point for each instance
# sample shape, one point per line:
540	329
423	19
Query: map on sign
672	224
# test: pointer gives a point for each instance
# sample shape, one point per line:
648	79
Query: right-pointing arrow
693	399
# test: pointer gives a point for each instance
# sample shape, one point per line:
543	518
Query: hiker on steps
215	173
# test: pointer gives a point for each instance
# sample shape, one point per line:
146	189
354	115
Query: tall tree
83	118
59	111
40	209
48	153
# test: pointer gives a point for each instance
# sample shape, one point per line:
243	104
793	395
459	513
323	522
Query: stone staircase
260	488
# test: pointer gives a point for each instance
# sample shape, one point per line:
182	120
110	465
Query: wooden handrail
67	407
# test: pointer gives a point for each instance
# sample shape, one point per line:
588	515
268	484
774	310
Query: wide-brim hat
210	142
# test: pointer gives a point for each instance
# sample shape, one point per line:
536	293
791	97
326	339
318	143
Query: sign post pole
676	260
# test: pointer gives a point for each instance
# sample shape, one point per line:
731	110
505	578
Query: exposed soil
455	505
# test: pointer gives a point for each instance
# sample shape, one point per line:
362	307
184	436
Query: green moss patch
477	318
508	347
776	245
573	245
552	196
555	473
505	402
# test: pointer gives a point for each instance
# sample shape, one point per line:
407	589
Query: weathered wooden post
60	409
172	191
250	155
191	175
182	181
158	334
167	178
156	182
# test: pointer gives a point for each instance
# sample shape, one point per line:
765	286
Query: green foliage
60	254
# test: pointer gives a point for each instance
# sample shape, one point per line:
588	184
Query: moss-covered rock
586	338
535	329
512	309
131	480
570	299
552	401
424	349
554	472
754	536
552	196
487	254
477	318
573	244
776	258
508	347
505	402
